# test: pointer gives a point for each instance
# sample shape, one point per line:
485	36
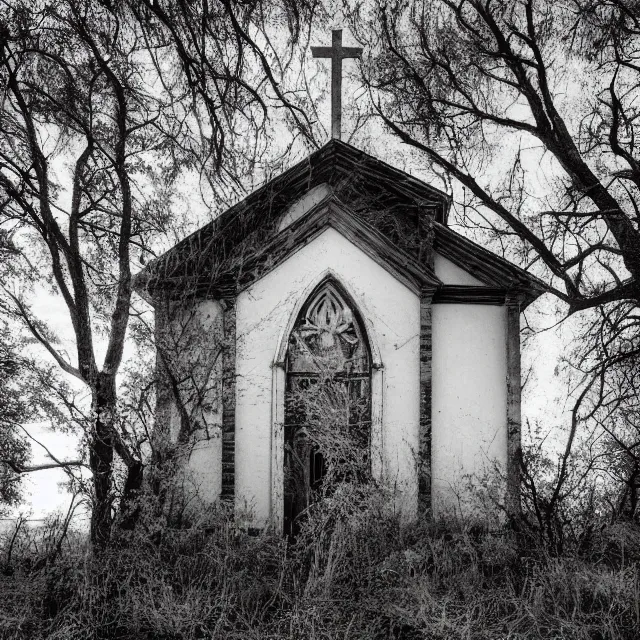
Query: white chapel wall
263	311
469	399
304	204
468	373
192	348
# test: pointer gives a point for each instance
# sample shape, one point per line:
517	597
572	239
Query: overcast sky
542	395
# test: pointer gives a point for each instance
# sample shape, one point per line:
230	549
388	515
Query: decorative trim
333	213
377	416
514	446
283	341
229	402
424	438
279	382
463	294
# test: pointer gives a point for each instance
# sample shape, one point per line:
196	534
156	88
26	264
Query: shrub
355	571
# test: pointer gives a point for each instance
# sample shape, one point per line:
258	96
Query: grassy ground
350	575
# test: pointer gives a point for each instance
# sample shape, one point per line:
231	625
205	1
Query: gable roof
366	183
494	271
331	213
392	216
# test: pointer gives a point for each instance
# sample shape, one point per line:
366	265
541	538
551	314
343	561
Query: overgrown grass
352	574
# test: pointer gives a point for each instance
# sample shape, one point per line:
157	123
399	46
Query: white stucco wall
263	312
194	349
309	200
450	273
469	401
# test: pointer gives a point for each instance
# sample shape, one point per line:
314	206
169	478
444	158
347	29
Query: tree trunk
129	507
101	459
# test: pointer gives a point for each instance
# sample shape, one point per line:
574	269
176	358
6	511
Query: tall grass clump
353	568
354	571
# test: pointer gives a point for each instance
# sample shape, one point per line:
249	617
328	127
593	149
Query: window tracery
326	337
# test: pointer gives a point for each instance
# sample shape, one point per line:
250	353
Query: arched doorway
327	418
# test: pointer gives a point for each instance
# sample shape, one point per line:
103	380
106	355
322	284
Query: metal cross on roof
337	53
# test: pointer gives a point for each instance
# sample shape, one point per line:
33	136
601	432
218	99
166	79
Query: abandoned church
332	324
344	269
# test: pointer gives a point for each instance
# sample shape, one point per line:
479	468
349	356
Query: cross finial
337	53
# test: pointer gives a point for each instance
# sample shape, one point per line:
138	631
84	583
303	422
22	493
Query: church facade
341	274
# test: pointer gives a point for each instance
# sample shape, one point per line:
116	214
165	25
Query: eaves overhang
254	220
329	213
495	272
332	213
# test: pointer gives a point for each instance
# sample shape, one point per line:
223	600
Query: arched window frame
279	388
349	328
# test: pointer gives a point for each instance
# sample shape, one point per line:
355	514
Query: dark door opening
327	401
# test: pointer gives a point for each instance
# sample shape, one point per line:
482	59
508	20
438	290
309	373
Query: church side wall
264	310
189	406
469	403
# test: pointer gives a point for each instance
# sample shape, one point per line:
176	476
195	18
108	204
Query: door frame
279	383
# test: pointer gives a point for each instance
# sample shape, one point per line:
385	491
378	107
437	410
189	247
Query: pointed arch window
328	397
327	337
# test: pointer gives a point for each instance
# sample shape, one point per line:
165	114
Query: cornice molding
332	213
462	294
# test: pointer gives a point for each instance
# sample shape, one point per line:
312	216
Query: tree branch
16	468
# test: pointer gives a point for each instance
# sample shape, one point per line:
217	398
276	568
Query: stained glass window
328	399
327	338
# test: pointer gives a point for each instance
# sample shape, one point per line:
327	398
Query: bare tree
460	76
531	108
14	446
104	105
